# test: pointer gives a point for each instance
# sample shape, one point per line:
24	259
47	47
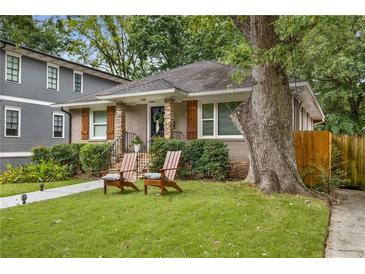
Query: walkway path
347	230
52	193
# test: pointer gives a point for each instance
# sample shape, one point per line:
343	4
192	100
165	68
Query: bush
208	159
41	154
200	158
92	158
158	151
34	173
63	154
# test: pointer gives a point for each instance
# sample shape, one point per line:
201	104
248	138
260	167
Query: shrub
92	158
33	173
208	159
200	158
159	148
63	154
41	154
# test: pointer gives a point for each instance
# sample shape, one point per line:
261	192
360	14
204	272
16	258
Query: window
225	125
208	119
98	124
78	79
12	122
13	66
215	121
58	125
52	77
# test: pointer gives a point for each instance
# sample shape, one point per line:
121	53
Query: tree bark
265	119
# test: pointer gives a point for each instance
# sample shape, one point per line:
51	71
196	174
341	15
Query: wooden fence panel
353	157
313	151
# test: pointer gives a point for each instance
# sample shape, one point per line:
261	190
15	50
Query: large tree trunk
265	119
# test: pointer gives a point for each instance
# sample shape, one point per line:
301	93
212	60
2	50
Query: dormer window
78	82
53	74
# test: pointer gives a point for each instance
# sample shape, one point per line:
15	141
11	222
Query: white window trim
91	124
58	76
63	124
215	124
19	110
82	81
20	66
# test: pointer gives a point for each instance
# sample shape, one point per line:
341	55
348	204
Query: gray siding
13	161
36	120
36	128
34	82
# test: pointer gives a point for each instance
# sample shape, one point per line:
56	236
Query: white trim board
15	154
25	100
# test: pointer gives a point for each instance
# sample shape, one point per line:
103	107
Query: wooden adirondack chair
125	175
167	174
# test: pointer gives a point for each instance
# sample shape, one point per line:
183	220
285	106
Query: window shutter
110	122
84	124
191	119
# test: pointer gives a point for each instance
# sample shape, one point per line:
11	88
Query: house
30	81
195	101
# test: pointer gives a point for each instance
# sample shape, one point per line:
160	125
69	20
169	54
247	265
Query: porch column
120	126
169	118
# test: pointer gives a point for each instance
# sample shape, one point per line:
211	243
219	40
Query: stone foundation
237	170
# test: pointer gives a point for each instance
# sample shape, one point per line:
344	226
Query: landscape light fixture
41	186
24	198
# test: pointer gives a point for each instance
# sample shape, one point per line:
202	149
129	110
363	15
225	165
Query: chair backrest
128	163
171	163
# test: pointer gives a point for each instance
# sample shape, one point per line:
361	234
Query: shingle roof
195	77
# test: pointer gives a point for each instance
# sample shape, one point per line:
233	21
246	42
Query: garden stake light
41	186
24	198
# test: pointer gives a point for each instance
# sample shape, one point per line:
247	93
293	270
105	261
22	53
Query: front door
156	114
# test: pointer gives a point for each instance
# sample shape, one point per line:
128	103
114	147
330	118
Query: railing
177	135
115	150
143	158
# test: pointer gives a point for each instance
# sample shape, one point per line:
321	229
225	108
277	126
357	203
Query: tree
332	57
45	35
265	118
137	46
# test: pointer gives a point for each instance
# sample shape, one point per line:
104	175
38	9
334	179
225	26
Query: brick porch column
169	118
120	126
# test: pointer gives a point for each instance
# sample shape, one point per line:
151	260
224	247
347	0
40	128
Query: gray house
30	81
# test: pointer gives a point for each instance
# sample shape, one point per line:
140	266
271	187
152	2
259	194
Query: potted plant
137	142
158	119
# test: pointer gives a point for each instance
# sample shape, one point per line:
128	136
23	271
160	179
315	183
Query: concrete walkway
52	193
346	237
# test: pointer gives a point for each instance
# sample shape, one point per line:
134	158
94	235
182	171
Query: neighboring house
30	81
195	99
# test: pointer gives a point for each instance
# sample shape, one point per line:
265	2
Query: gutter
69	125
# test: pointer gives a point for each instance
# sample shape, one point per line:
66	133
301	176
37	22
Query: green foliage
137	141
40	154
46	35
159	148
206	159
92	158
63	154
33	173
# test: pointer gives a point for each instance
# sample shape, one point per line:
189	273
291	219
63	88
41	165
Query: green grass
208	220
13	189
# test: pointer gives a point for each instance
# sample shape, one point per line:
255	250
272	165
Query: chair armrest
127	170
103	173
163	169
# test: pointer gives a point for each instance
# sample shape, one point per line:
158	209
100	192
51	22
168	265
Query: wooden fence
313	155
352	157
313	150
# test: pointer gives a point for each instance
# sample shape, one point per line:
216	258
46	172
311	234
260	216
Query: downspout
69	125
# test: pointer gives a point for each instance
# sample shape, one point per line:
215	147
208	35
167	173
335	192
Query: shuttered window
98	124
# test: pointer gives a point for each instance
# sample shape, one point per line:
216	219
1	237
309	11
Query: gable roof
40	55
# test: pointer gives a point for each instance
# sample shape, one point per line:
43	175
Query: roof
71	64
196	77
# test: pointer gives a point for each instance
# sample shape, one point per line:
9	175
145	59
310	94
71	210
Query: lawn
208	220
13	189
